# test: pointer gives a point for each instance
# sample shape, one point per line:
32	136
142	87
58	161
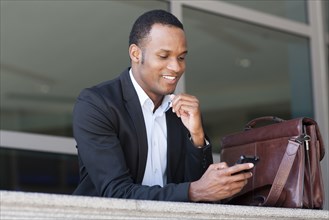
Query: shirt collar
144	98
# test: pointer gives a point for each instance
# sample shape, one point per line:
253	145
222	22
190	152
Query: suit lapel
173	151
174	133
135	111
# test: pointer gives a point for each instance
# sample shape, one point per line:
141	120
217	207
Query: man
137	140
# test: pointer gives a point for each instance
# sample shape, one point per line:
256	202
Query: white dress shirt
156	129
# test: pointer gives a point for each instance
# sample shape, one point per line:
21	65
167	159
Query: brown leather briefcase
288	172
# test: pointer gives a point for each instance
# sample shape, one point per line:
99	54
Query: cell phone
248	159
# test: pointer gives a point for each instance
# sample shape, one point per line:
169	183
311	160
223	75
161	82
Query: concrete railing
20	205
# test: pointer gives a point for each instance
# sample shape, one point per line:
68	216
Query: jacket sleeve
102	162
187	162
197	160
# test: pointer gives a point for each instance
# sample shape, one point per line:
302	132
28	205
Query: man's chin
170	92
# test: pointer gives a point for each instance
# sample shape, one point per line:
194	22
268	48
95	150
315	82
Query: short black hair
144	23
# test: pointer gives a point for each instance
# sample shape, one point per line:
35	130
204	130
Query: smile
170	77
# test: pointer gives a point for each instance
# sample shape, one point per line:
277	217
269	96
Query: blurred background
246	59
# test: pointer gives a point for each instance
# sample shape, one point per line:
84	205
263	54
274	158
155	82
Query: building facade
246	59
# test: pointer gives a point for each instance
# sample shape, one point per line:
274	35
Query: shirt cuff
205	141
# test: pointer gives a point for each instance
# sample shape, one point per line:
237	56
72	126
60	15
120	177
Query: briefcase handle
251	124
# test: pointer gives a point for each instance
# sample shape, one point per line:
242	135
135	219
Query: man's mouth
170	77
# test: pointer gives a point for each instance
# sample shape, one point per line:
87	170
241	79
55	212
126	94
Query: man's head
157	51
144	23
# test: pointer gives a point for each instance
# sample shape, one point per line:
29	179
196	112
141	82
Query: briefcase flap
283	129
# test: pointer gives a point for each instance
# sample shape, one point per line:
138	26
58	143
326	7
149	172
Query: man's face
161	61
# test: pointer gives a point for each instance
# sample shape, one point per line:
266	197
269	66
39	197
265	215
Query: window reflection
294	10
32	171
241	71
51	50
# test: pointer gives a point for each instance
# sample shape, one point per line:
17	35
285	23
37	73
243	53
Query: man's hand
220	182
187	108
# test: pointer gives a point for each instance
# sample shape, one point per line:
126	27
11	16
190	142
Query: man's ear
135	53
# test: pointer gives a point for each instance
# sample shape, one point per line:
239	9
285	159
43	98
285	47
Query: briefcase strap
283	173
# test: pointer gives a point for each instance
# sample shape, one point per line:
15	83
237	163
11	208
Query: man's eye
181	58
163	56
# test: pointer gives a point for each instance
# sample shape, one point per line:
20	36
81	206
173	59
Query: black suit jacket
110	132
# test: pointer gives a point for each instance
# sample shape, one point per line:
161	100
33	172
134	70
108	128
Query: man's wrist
193	193
200	144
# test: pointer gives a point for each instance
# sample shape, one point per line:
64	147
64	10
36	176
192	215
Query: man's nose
174	65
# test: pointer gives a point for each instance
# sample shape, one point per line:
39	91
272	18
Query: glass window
294	10
50	50
32	171
241	71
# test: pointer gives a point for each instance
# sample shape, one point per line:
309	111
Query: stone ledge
23	205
